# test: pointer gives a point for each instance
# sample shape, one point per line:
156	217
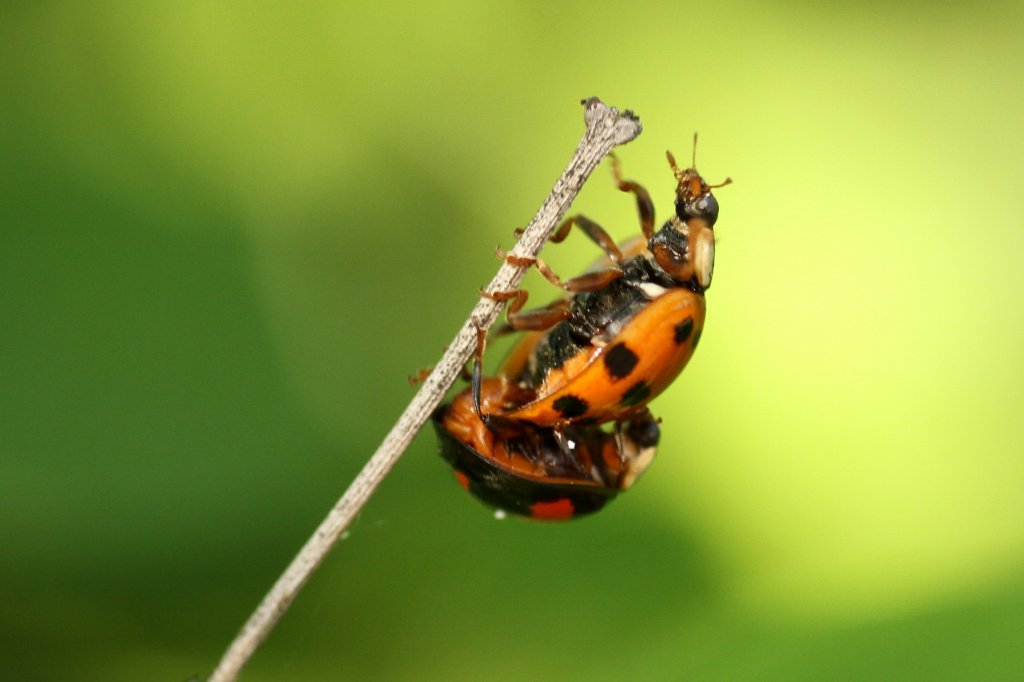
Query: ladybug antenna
681	173
675	169
723	183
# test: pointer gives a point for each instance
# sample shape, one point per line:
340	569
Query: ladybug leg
531	261
478	365
620	440
564	446
644	205
506	328
643	429
531	320
592	281
501	330
496	423
420	376
596	233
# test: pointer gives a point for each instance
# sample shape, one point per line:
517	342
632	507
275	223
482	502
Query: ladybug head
693	195
704	206
686	252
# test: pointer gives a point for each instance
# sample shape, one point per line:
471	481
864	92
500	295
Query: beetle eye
705	206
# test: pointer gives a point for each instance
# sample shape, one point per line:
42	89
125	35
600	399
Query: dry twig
606	128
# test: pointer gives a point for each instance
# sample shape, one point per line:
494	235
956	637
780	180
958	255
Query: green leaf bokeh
229	231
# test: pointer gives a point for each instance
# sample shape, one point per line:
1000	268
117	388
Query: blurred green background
229	231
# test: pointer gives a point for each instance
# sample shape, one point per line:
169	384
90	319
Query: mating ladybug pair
529	440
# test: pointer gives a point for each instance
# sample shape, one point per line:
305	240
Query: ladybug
629	325
538	472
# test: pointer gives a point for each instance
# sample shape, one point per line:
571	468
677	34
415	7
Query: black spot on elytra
696	338
637	393
570	406
683	330
619	360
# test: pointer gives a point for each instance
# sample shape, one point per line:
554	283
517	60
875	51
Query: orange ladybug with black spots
628	328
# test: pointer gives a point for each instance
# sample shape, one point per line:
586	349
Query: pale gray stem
606	128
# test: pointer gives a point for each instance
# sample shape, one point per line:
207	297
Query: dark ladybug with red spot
539	472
